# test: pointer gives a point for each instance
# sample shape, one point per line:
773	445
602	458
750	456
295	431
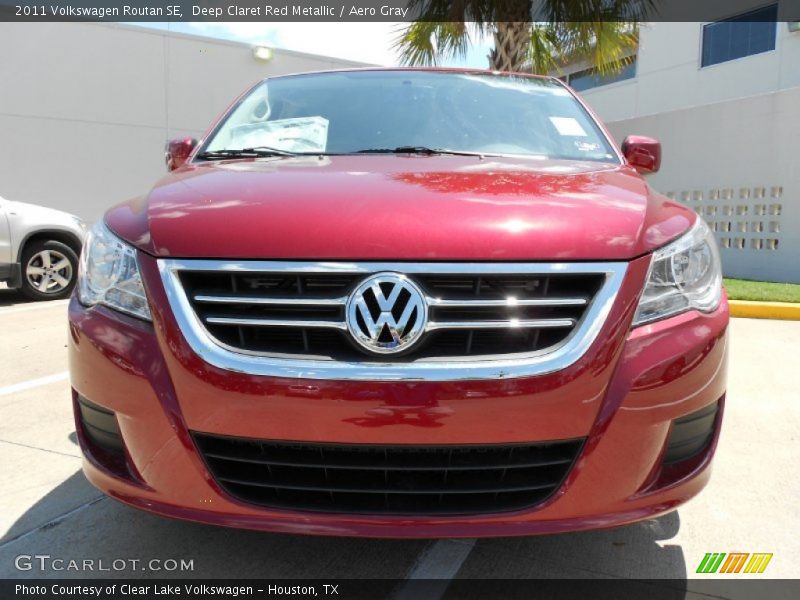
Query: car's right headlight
109	274
685	274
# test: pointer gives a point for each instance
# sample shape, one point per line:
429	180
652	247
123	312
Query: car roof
454	70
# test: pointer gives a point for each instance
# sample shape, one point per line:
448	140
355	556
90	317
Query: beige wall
85	109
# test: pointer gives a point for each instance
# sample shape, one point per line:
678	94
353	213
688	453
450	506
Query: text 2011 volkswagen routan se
401	303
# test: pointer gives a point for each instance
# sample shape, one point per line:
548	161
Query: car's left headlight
684	275
109	274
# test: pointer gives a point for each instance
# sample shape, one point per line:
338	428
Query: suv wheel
49	270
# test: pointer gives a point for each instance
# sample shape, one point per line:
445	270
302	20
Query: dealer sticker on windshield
302	134
587	146
568	126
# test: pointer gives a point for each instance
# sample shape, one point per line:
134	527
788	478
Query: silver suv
39	249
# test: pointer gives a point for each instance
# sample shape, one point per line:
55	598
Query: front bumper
623	397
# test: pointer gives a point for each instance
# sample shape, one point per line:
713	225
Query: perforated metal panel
743	219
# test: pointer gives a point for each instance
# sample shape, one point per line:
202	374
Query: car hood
377	207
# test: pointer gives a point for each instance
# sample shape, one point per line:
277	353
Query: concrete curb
765	310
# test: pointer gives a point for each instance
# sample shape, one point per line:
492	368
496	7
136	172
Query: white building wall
85	109
729	135
669	76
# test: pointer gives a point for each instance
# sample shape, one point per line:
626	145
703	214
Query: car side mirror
642	153
178	152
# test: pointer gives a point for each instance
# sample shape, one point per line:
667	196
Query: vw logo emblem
387	313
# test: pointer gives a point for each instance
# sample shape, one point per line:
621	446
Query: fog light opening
688	448
101	440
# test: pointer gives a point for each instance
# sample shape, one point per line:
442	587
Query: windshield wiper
416	150
256	152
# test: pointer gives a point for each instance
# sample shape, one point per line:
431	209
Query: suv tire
49	270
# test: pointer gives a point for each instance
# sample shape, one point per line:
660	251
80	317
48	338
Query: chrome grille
480	315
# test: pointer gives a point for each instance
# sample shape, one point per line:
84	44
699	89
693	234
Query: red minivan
401	303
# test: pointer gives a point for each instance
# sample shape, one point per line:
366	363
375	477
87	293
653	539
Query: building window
743	35
590	78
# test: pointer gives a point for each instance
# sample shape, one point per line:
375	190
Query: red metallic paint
401	208
390	413
622	395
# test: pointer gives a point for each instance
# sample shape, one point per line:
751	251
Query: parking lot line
32	383
441	561
21	445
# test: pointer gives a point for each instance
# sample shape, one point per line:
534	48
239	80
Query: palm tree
529	35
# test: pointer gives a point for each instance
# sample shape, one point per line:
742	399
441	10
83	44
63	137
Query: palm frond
416	44
426	43
607	45
619	11
544	52
614	47
602	32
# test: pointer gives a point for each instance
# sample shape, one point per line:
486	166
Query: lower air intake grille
402	480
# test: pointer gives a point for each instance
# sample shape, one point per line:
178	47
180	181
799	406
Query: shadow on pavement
68	495
9	297
110	531
640	551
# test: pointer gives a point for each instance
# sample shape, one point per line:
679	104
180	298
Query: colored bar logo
734	562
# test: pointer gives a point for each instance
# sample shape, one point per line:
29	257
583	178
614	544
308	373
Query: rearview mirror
642	153
178	152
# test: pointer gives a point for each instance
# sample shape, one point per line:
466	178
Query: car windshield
410	111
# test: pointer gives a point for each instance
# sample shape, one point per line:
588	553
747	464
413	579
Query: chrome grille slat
485	320
432	325
509	302
265	300
506	324
275	322
466	303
